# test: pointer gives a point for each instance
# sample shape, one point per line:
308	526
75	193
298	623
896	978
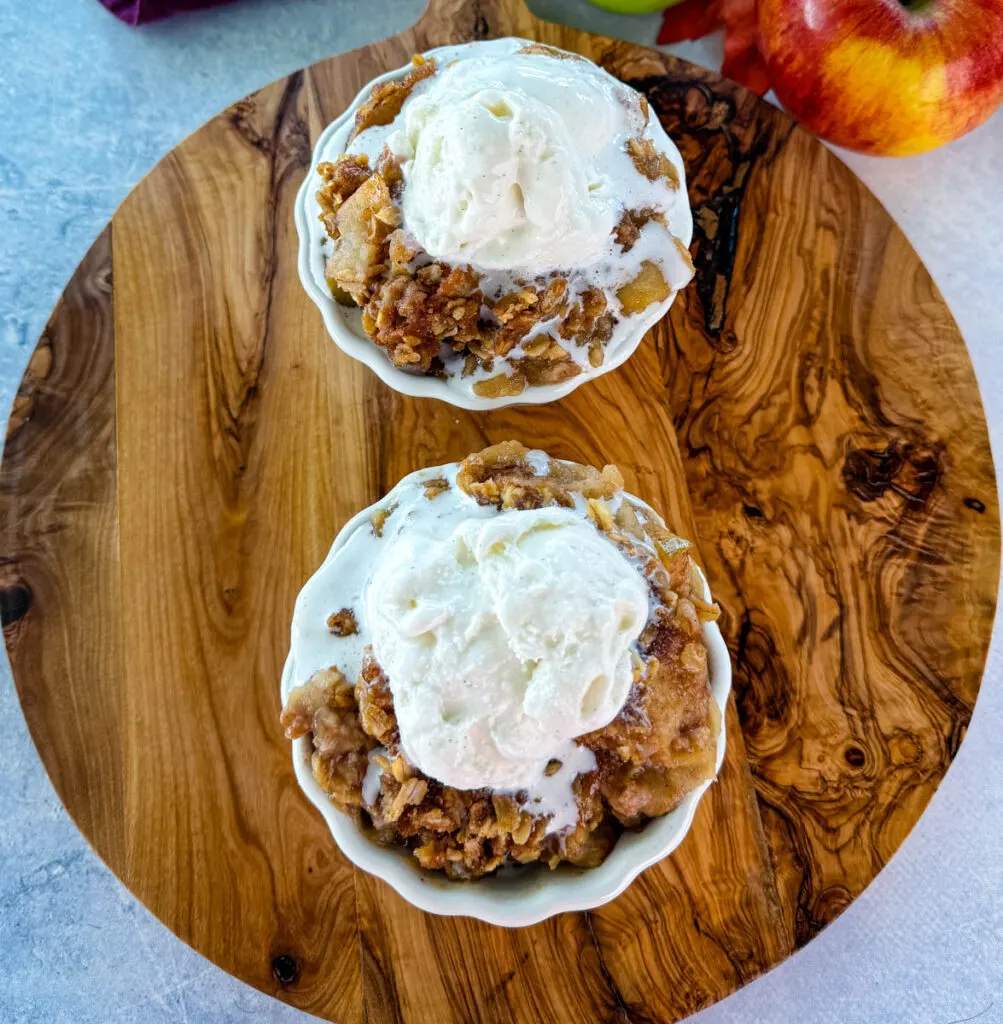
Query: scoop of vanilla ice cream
503	640
504	162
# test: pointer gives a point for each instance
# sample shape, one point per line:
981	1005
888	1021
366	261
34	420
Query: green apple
635	6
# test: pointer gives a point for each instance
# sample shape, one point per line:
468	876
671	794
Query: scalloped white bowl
522	896
345	324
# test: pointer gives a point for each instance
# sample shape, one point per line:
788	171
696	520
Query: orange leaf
689	20
742	60
749	69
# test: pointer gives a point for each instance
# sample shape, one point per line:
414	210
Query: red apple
882	76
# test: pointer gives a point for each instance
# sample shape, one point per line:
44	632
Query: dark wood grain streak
179	460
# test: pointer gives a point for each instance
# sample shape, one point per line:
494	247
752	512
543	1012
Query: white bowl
344	324
515	897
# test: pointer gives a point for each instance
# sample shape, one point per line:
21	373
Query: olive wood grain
187	441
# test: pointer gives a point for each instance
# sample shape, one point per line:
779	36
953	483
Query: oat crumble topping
342	623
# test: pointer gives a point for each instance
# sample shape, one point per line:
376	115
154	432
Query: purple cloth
136	12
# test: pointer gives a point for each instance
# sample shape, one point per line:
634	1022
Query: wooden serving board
187	442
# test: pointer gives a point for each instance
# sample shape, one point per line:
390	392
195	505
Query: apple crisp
499	333
660	746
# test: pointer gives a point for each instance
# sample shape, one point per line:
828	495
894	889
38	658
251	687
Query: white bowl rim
499	900
359	346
